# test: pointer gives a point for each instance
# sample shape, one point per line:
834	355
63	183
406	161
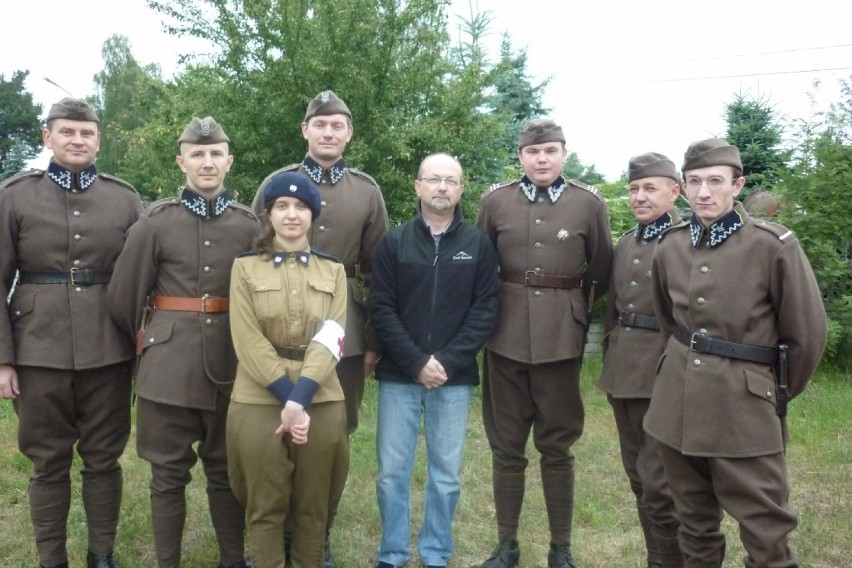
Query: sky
625	77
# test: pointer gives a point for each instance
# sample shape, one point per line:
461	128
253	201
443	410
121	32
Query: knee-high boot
168	515
650	543
229	522
49	506
558	487
508	499
102	503
668	548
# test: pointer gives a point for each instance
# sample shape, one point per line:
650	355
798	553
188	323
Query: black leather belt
703	344
292	353
75	277
628	319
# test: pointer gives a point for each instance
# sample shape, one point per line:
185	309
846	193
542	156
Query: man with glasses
354	218
433	302
555	248
745	327
633	345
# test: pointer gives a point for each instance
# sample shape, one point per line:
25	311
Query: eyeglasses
452	183
713	183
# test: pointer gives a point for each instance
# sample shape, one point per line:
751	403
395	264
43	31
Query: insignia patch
325	96
293	189
562	235
205	128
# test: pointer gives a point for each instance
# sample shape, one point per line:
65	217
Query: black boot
506	555
100	561
244	563
329	559
63	565
560	556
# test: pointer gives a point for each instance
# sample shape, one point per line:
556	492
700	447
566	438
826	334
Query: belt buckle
204	299
693	339
74	272
527	276
623	319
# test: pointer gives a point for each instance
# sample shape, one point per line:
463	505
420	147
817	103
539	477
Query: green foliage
818	191
20	125
755	128
574	169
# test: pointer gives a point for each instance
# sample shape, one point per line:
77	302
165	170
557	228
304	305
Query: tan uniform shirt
353	220
631	353
45	227
566	237
284	307
754	286
184	247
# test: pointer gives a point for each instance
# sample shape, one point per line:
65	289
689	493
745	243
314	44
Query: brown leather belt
743	351
536	280
351	271
629	319
202	305
75	277
292	353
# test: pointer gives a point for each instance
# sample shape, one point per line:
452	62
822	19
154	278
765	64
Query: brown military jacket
184	247
746	281
56	221
558	232
631	352
353	220
285	306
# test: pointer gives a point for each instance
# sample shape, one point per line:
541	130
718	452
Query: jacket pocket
578	310
760	386
268	298
157	334
21	306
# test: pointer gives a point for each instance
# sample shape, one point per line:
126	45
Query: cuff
281	388
304	391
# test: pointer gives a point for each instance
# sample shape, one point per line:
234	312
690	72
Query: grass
606	531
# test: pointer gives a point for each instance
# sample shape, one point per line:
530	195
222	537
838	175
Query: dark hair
263	243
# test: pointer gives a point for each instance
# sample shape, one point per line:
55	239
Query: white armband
331	336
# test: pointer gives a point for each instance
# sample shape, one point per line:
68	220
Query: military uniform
279	305
180	254
744	281
63	230
553	245
632	346
354	218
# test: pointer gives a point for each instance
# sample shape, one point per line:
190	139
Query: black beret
72	109
711	152
293	184
651	164
326	103
203	131
540	131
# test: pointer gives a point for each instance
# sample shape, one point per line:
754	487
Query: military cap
711	152
326	103
293	184
540	131
71	108
203	131
651	164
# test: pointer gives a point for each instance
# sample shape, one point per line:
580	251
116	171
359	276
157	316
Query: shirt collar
316	172
654	228
72	181
302	256
553	191
202	206
719	230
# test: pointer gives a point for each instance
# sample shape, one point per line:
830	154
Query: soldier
354	218
178	260
633	345
555	251
63	361
730	295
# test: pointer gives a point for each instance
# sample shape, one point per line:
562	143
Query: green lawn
606	532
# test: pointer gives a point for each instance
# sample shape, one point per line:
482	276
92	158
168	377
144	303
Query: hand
296	421
432	375
370	358
8	382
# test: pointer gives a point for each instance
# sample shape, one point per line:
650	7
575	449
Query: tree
20	124
755	128
574	169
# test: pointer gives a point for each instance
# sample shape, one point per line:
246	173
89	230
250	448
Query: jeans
444	410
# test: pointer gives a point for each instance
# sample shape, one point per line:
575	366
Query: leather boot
102	503
506	555
508	499
229	523
100	561
168	515
668	548
650	542
558	488
560	556
49	506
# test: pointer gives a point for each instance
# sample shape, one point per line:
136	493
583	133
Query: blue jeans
444	411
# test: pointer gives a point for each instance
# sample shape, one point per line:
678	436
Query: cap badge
325	96
293	188
205	128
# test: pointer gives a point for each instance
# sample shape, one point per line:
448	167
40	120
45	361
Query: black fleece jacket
431	297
